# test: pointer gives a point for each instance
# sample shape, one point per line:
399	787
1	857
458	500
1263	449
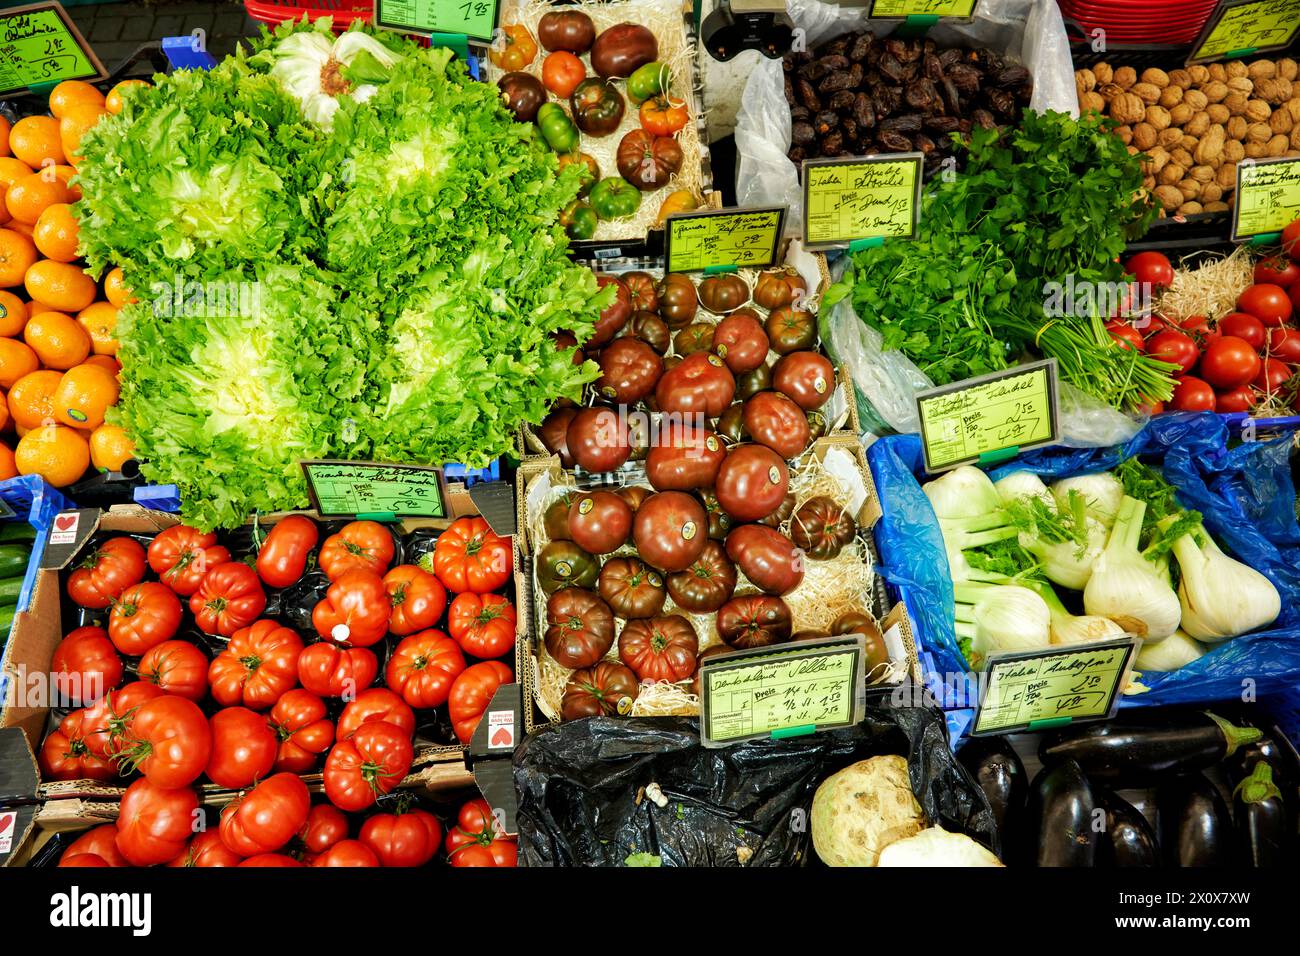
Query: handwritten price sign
39	46
897	9
869	197
723	238
473	18
1268	196
1242	27
348	488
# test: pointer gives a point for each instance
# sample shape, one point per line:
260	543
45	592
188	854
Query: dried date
808	95
907	123
802	133
894	142
860	49
1011	76
864	110
841	100
984	119
923	97
789	92
832	144
826	121
833	82
890	67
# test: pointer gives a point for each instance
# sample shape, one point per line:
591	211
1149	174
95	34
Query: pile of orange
58	371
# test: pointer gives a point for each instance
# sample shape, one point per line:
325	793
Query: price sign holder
918	16
1037	690
723	240
40	47
1240	28
780	692
445	22
990	418
861	201
1267	199
375	491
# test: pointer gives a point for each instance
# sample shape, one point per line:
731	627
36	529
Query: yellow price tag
1268	196
869	197
350	488
1242	28
1034	690
898	9
723	238
473	18
39	45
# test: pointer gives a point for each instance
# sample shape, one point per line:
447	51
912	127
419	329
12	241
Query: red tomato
328	670
65	756
1277	271
271	860
1153	268
283	556
207	850
355	609
1267	302
1199	328
110	569
1148	324
170	742
325	826
423	668
469	556
266	817
181	556
1240	399
377	703
1125	334
302	729
243	748
1191	394
360	545
1290	235
477	840
1284	345
144	615
1174	347
1245	327
229	598
258	665
562	72
369	763
1228	363
352	853
85	666
1273	374
471	694
178	667
101	843
417	598
105	724
407	838
483	625
155	823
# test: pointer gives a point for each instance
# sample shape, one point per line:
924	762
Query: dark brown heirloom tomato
554	434
822	528
629	370
755	621
670	530
767	557
614	316
608	688
719	520
563	564
598	439
677	300
579	627
641	290
808	378
555	519
723	294
781	514
597	106
740	341
773	420
621	49
707	584
522	94
696	337
634	496
731	424
858	622
599	521
750	384
632	588
660	648
684	458
752	482
570	30
650	329
701	385
778	288
791	331
647	161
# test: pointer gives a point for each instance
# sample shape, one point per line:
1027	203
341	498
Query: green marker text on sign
473	18
39	45
1253	25
366	488
965	420
890	9
744	238
865	198
1268	196
1036	687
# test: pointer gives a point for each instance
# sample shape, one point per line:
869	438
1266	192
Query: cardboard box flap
499	730
19	777
496	781
495	501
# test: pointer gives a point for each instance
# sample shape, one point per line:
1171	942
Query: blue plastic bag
1245	494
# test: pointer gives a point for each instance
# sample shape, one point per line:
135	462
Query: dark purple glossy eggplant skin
1061	825
999	773
1195	824
1129	840
1266	834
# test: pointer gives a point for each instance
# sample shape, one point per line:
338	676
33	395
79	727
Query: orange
60	285
65	173
35	139
16	360
36	308
73	93
99	319
11	170
4	210
13	314
4	417
4	135
105	361
17	255
7	467
110	447
83	396
58	340
22	228
78	121
31	195
114	102
57	454
55	234
31	400
115	289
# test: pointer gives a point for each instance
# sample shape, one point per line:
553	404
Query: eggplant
1059	819
1264	831
1129	840
1000	774
1194	822
1140	751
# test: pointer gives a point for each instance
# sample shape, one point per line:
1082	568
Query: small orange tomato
562	72
663	116
514	48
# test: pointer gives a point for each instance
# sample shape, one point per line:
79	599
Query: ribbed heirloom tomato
364	545
108	722
355	609
423	668
326	669
169	742
371	762
85	665
302	729
406	838
154	823
476	840
482	624
229	598
65	756
266	817
258	665
472	693
243	747
347	853
100	843
110	569
181	556
417	598
325	826
206	850
143	616
283	556
376	703
469	556
178	667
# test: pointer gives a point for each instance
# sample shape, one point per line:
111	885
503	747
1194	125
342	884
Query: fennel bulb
1126	587
935	846
1101	491
1175	651
1001	617
1067	628
316	69
1220	597
964	492
1022	484
1064	562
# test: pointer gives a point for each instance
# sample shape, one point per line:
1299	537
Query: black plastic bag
583	801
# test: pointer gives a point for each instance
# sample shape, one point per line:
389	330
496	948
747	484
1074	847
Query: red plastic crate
343	11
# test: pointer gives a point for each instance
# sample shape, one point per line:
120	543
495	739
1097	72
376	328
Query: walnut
1277	146
1092	101
1218	113
1181	113
1240	84
1197	100
1085	80
1190	143
1215	206
1170	138
1226	177
1280	121
1211	192
1233	151
1149	92
1295	137
1180	78
1213	92
1182	157
1169	196
1103	72
1171	173
1257	111
1190	188
1256	150
1125	77
1293	107
1215	71
1287	68
1158	117
1144	136
1148	183
1236	127
1157	159
1189	208
1261	70
1258	133
1171	96
1202	174
1125	134
1198	124
1236	103
1236	69
1274	91
1210	146
1110	91
1127	109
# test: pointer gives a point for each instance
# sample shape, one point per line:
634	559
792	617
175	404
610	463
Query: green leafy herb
643	859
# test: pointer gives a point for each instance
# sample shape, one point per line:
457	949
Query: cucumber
13	559
6	621
10	588
16	531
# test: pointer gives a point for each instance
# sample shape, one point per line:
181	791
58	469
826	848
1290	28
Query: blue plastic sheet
1245	494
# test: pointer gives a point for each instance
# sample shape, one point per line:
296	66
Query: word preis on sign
901	9
40	46
1040	689
473	18
868	197
373	489
1267	198
1243	27
723	238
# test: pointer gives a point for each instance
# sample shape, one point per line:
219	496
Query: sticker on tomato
624	706
688	531
585	506
774	475
712	443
